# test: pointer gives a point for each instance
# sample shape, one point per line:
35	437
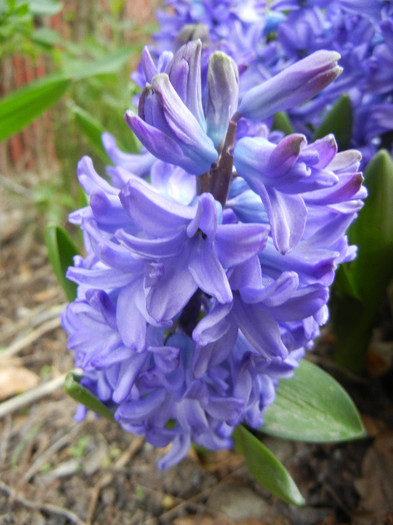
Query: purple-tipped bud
168	129
292	86
222	95
184	71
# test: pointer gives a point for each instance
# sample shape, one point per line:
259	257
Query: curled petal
153	212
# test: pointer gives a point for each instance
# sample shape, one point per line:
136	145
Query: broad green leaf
24	105
311	406
343	282
339	122
282	122
372	232
92	129
108	65
80	394
61	250
45	7
355	309
352	328
266	468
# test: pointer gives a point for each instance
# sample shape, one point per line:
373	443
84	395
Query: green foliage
339	122
109	64
92	130
78	451
313	407
282	122
24	105
88	92
61	251
266	468
52	201
45	7
80	394
360	287
17	23
21	107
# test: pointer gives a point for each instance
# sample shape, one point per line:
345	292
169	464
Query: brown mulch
58	472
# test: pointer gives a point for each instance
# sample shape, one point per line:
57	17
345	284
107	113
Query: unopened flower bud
222	95
292	86
192	32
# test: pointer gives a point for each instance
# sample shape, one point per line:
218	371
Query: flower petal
260	328
153	213
208	272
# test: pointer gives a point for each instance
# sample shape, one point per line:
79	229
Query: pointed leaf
282	122
92	129
21	107
80	394
108	65
61	250
266	468
339	122
372	232
355	308
344	284
313	407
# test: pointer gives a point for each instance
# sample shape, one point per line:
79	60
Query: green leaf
47	37
61	250
338	121
80	394
108	65
353	329
311	406
45	7
370	273
282	122
343	282
92	129
24	105
266	468
372	232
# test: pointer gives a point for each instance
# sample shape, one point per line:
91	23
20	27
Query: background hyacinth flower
209	257
282	32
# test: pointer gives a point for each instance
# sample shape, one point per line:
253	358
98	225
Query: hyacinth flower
220	18
192	303
281	32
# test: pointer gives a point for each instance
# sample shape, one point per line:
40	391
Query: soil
55	471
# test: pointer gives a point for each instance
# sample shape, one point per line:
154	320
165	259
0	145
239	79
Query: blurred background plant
74	58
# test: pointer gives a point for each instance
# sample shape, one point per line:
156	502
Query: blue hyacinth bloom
210	254
279	33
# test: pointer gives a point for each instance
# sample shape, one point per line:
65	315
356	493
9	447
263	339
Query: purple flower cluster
208	256
281	32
